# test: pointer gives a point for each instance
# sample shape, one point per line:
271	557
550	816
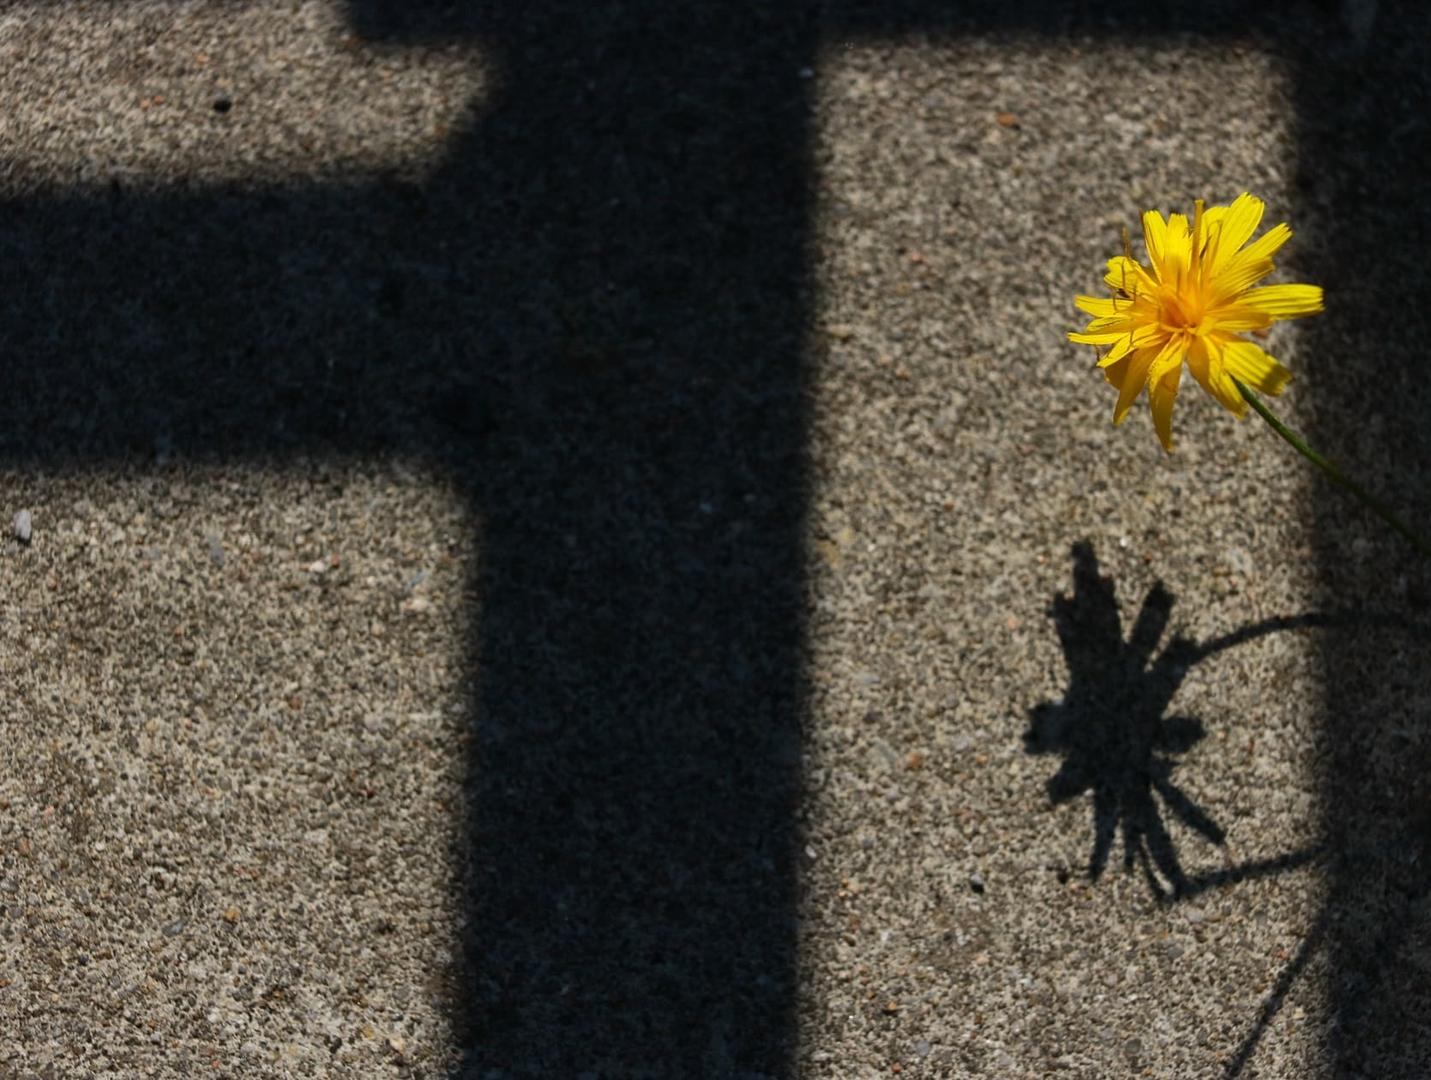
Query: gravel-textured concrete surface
567	540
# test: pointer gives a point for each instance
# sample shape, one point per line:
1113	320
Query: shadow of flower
1118	745
1110	728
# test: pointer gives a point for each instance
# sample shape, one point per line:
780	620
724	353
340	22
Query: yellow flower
1189	306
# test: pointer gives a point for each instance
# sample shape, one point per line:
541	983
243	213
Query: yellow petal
1237	316
1150	335
1169	357
1177	249
1129	376
1128	277
1248	363
1119	323
1206	362
1200	234
1117	375
1104	337
1162	393
1230	231
1284	301
1237	277
1266	245
1155	231
1121	348
1095	305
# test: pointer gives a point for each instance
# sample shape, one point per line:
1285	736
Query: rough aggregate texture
217	853
567	540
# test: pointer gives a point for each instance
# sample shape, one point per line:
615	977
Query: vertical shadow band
1363	144
637	312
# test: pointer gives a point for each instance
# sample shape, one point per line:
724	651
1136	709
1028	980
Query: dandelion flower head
1191	304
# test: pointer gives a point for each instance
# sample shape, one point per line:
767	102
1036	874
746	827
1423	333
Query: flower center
1179	311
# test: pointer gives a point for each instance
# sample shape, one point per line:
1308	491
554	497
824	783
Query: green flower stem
1382	510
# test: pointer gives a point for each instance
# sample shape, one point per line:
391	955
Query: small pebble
22	526
1240	561
884	754
976	882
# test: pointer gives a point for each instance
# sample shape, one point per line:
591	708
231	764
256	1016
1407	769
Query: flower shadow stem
1382	510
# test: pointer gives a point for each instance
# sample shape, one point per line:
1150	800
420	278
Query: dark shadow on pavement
593	314
628	225
1272	1003
1118	745
1110	728
1363	144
